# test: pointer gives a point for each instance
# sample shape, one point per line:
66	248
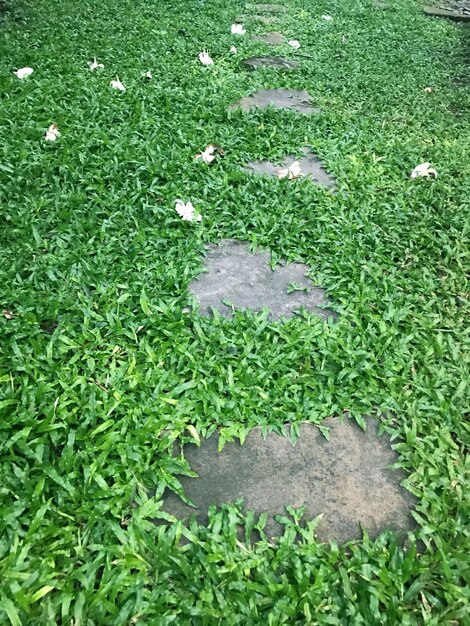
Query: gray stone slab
347	480
310	167
266	8
263	19
293	99
245	280
276	63
274	39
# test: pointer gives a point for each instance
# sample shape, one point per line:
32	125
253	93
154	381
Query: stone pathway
244	280
346	480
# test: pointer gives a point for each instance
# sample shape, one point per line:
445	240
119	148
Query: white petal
116	84
428	89
423	170
187	211
294	170
294	43
24	72
93	65
328	18
237	29
148	74
282	173
233	50
52	133
204	58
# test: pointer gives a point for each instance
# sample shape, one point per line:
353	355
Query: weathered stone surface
274	39
264	19
456	15
265	8
294	99
246	281
347	480
277	63
310	167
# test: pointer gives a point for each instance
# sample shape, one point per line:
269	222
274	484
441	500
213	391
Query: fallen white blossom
294	44
116	84
291	172
204	58
237	29
93	65
24	72
52	133
423	170
187	212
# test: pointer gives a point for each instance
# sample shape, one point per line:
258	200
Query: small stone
274	39
293	99
277	63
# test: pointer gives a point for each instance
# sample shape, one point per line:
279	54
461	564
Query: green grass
90	241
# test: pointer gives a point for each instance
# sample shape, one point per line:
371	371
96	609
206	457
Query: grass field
101	369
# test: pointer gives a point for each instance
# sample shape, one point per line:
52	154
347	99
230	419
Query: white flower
93	65
237	29
24	72
423	170
187	212
233	50
428	89
207	155
205	58
52	133
328	18
148	74
294	43
116	84
291	172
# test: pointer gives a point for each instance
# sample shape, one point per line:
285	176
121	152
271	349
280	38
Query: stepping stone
457	14
296	100
264	19
237	278
266	8
347	479
274	39
277	63
310	166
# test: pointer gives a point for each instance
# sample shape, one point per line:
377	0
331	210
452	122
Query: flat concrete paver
347	480
245	280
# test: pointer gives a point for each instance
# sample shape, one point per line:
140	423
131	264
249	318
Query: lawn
102	368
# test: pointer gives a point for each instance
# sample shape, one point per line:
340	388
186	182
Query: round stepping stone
236	278
265	8
293	99
348	480
310	167
274	39
277	63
